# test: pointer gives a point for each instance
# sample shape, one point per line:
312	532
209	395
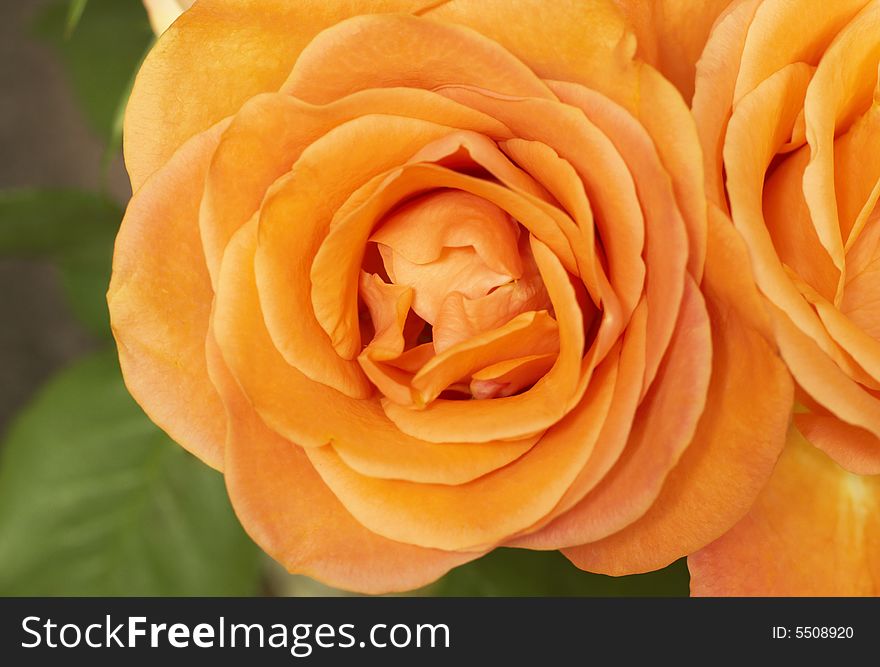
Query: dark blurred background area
45	141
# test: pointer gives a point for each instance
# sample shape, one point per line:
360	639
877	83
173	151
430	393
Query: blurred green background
94	499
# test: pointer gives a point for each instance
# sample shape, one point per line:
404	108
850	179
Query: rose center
452	275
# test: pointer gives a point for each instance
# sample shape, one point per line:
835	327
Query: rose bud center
453	304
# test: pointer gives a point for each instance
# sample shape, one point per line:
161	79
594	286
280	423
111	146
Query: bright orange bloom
788	108
433	278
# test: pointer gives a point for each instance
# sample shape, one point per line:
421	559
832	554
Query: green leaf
523	573
36	222
101	55
74	229
96	500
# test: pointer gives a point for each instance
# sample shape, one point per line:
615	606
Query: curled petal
533	331
335	418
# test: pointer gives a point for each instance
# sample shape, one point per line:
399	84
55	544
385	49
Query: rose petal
842	86
738	438
420	230
813	531
552	41
671	35
666	242
288	512
823	380
857	171
160	302
791	227
662	430
853	448
861	347
564	184
717	71
398	50
508	377
551	534
308	195
534	332
607	181
271	131
460	318
232	31
334	293
456	269
514	416
333	417
487	509
760	124
859	302
783	33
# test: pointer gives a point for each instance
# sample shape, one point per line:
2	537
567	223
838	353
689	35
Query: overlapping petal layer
787	108
429	305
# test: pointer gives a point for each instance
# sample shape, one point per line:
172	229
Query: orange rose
788	111
427	282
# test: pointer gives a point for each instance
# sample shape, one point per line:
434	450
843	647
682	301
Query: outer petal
738	439
208	57
554	44
295	518
814	530
160	302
